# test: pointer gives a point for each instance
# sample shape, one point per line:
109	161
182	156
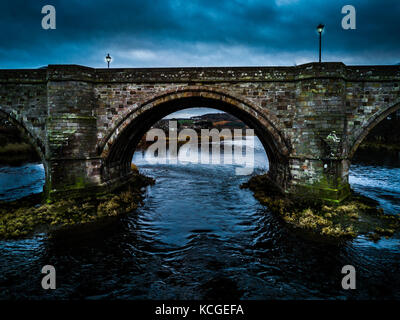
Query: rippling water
17	182
378	177
198	235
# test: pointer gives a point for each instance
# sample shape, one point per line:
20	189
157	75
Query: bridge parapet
201	74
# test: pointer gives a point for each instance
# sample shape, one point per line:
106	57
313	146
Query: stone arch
35	142
117	148
372	122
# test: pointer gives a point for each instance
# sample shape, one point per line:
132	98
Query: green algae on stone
355	216
24	217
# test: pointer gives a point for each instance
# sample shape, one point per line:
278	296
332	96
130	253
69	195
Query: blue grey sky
177	33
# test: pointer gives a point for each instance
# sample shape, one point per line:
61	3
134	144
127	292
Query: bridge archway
29	138
363	132
118	147
35	142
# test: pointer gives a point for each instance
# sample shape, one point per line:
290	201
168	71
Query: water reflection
198	235
17	182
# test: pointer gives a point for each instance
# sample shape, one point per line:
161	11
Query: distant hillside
205	121
14	148
216	117
217	120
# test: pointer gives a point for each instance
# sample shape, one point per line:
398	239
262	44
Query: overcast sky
188	113
168	33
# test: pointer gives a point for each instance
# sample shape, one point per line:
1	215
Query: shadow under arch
372	123
118	148
35	142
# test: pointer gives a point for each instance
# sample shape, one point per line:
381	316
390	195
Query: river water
199	236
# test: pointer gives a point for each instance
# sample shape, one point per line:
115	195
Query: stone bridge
85	122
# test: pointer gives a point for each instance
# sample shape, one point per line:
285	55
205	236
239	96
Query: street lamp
320	28
108	59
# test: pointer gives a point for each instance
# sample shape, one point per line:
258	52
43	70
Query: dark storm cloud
175	32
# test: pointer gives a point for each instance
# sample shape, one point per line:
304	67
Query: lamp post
320	28
108	59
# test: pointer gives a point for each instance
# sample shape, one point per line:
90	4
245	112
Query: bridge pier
325	180
83	177
73	177
312	179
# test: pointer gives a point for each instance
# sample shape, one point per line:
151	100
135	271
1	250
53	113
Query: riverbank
373	146
355	216
30	215
14	149
15	154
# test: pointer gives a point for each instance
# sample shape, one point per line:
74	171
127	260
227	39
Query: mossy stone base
83	189
321	193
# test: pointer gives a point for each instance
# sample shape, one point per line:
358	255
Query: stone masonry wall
320	112
23	100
